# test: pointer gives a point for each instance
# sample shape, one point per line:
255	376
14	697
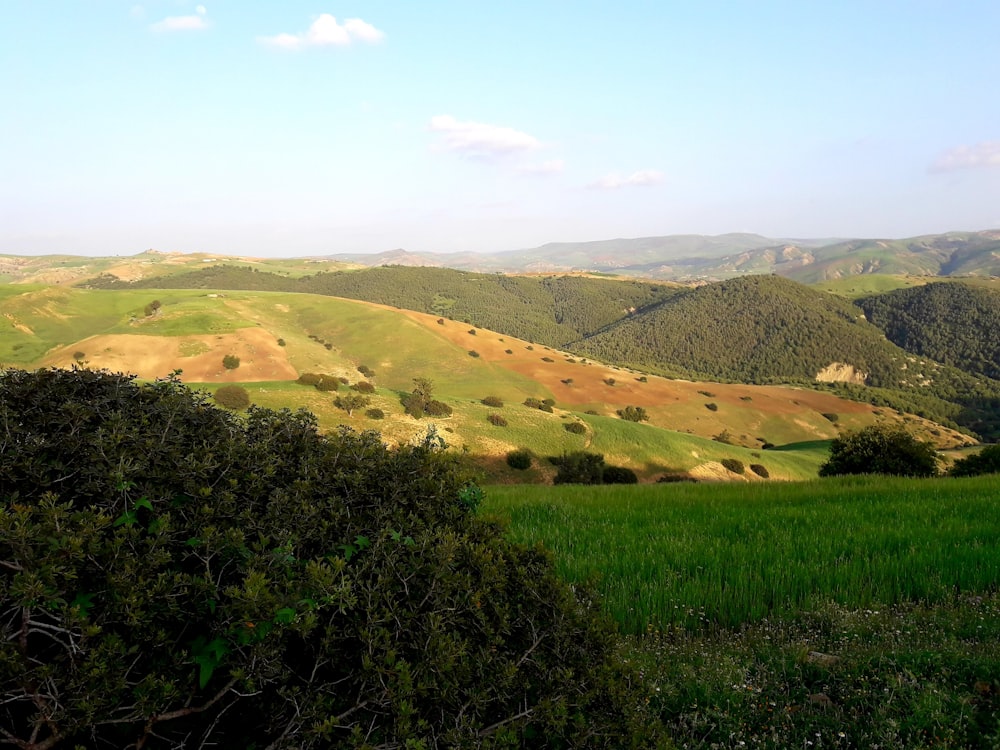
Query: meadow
852	613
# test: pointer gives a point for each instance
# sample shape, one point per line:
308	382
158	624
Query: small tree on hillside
987	461
580	467
230	361
633	414
880	449
351	401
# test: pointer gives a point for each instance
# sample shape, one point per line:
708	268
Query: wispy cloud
480	140
642	178
326	31
195	22
985	154
553	166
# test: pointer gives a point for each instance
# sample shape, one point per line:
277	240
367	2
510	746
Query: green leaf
128	518
143	502
284	616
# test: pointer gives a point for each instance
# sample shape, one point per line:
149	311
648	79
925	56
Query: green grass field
725	555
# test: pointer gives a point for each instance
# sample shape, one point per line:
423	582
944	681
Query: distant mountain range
712	258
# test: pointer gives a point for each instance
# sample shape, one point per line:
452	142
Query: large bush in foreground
986	461
173	575
880	449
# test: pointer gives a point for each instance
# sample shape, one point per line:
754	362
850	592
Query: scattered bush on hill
577	428
986	461
609	381
79	356
633	414
152	308
760	470
880	449
712	406
175	576
349	402
833	418
233	397
520	459
421	403
363	386
534	403
618	475
309	378
675	477
473	353
495	401
734	465
375	414
366	371
230	361
497	420
281	342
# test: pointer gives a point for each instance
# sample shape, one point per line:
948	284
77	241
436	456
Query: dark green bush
734	465
175	576
534	403
281	342
366	371
712	406
230	361
233	397
79	356
880	449
577	428
327	383
831	417
619	475
497	420
474	354
760	470
520	459
375	414
987	461
363	386
675	477
495	401
309	378
633	414
580	467
436	408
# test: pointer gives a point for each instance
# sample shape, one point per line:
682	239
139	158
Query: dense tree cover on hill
951	322
173	575
880	449
547	310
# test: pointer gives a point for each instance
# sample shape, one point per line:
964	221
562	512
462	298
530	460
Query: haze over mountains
703	257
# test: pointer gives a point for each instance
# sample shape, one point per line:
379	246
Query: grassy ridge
727	555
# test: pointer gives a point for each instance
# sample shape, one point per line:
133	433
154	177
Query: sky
310	127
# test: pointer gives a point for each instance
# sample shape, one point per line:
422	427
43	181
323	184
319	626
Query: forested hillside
548	310
953	323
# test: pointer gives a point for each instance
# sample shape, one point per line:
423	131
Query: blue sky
320	126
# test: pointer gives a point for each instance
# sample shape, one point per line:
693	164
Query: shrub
642	379
375	414
520	459
281	342
766	446
987	461
675	477
547	359
707	394
567	381
619	475
831	417
497	420
328	346
230	361
309	378
880	449
366	371
472	331
363	386
592	412
436	408
577	428
610	381
495	401
327	383
474	354
508	351
440	321
760	470
79	356
233	397
530	348
350	402
580	467
534	403
633	414
175	576
152	308
725	437
733	464
712	407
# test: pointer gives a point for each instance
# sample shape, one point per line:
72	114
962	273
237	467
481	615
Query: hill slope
951	322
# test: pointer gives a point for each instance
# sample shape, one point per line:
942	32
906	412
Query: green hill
950	322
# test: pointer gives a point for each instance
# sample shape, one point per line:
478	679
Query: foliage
375	414
534	403
618	475
495	401
831	417
580	467
712	406
366	371
734	465
350	402
309	378
633	414
497	420
327	383
233	397
880	449
175	576
281	342
152	308
760	470
230	361
986	461
520	459
474	354
575	428
79	356
363	386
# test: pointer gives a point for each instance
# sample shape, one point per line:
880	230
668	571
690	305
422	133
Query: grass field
848	613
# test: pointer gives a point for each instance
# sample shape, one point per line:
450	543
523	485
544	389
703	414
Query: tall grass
725	555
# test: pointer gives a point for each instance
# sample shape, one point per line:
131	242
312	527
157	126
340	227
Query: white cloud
985	154
327	31
554	166
642	178
196	22
480	140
